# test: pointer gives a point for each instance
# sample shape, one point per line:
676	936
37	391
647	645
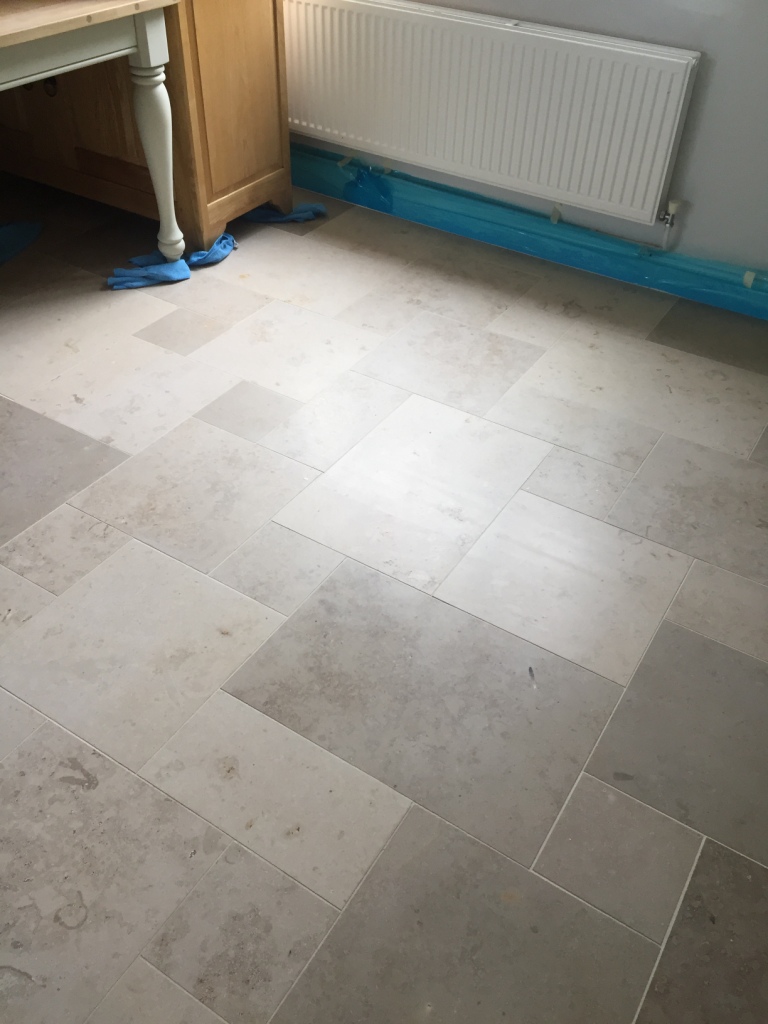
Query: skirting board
498	223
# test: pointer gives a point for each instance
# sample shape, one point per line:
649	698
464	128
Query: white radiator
583	120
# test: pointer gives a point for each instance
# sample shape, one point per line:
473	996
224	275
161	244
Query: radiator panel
582	120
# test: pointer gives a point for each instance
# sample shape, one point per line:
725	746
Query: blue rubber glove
141	276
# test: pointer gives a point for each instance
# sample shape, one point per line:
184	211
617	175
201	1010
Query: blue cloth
155	269
16	237
269	215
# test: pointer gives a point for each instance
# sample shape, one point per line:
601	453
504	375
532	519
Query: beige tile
306	811
760	451
578	482
145	996
333	208
17	722
278	567
242	937
20	600
376	234
126	655
709	504
324	429
248	410
303	271
209	296
71	318
94	861
694	398
619	855
196	494
577	304
715	333
288	349
461	280
105	246
412	497
569	583
574	425
182	331
62	547
724	606
130	393
42	464
442	359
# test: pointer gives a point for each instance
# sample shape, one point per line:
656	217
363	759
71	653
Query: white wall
722	169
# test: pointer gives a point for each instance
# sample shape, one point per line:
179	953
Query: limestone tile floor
383	636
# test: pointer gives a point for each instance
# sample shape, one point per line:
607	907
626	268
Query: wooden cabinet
226	79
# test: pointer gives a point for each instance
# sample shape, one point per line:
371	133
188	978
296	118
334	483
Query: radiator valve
672	210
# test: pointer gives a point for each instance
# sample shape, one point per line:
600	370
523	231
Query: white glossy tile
62	547
695	398
449	362
324	429
306	811
126	655
17	722
574	425
197	493
569	583
412	497
278	567
130	393
578	482
725	607
288	349
20	600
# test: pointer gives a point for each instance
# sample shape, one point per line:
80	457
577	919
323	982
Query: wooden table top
24	20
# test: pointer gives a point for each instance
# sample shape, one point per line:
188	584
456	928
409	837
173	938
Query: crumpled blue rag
16	237
155	269
269	215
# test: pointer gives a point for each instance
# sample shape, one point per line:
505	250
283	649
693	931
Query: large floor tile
20	600
760	451
324	429
724	606
713	404
303	271
242	937
445	929
379	234
708	504
197	493
278	567
145	996
61	548
182	331
715	333
290	350
621	856
17	721
209	296
689	739
249	411
574	425
445	360
573	303
41	465
94	861
569	583
126	655
479	726
583	484
413	495
130	393
714	965
313	816
463	280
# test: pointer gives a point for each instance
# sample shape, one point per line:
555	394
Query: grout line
567	800
341	914
669	931
637	800
632	480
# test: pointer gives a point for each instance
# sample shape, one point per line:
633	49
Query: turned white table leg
153	117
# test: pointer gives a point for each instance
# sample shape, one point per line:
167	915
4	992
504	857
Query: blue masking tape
498	223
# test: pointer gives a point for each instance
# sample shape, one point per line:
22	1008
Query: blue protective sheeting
14	238
269	215
155	269
488	220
